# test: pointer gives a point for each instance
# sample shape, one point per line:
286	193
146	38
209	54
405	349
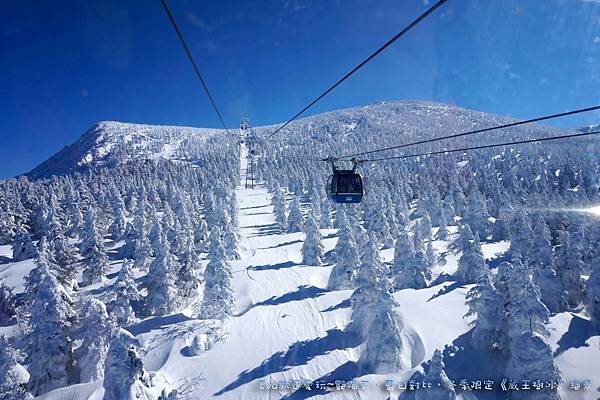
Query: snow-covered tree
502	225
570	268
592	289
125	293
218	301
425	226
312	249
295	218
370	285
417	275
476	215
124	375
325	221
160	281
439	386
96	330
49	327
471	264
521	235
404	260
384	344
532	360
117	227
188	274
22	247
278	202
7	302
525	310
200	235
230	242
541	264
94	260
65	258
489	333
13	383
442	232
346	258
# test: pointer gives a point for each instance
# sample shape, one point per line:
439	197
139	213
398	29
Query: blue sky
68	64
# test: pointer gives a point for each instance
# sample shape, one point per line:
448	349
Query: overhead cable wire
191	58
410	26
487	146
492	128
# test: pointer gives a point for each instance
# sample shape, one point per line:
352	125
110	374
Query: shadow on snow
302	293
344	304
580	330
155	323
270	267
299	353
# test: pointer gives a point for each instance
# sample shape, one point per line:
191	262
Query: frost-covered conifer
384	344
521	234
404	259
295	218
370	283
592	289
525	311
230	242
312	249
532	360
49	327
124	375
439	386
442	232
117	227
570	268
418	239
7	302
201	236
471	264
65	258
218	301
425	226
96	330
340	217
278	202
541	264
13	380
489	326
188	275
22	246
159	283
346	258
593	292
325	221
94	260
476	215
501	229
125	293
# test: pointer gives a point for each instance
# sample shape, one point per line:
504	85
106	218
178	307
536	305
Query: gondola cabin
344	186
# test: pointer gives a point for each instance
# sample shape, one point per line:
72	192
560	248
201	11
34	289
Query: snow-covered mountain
157	274
109	143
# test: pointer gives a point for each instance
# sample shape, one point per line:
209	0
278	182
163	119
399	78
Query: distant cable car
344	185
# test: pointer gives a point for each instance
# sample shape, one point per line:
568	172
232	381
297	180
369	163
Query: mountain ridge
110	143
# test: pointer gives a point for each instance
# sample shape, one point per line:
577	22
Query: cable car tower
247	136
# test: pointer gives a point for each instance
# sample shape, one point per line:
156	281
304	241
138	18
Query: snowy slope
110	143
287	325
